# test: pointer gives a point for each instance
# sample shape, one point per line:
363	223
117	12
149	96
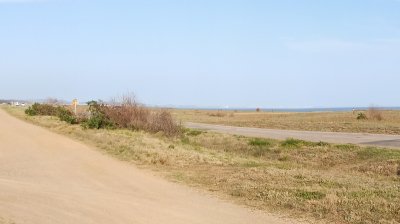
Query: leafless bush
375	114
163	121
128	116
126	112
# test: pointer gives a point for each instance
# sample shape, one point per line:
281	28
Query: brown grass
383	122
317	181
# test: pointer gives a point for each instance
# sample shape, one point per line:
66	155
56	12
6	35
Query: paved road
392	141
48	178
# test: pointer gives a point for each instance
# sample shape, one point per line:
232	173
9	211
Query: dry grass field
315	121
318	182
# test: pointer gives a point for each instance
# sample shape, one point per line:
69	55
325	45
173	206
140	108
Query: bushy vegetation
361	116
127	114
97	117
66	115
42	110
130	115
49	110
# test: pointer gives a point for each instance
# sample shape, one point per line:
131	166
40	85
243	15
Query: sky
204	53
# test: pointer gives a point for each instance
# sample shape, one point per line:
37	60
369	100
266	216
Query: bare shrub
375	114
127	113
128	116
164	122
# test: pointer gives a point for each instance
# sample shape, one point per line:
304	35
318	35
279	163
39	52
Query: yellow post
75	104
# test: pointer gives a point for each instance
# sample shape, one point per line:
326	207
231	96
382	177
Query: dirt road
392	141
48	178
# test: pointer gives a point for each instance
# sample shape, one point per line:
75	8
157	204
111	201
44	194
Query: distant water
333	109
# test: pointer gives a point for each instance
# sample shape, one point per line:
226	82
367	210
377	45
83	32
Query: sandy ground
391	141
48	178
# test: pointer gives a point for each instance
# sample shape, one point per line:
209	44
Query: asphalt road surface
391	141
49	178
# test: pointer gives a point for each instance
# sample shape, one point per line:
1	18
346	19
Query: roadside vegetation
63	113
319	182
372	120
127	114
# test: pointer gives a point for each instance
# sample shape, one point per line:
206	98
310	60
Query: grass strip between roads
318	182
315	121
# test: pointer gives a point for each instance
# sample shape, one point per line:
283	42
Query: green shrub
94	122
66	115
30	111
361	116
98	118
49	110
41	109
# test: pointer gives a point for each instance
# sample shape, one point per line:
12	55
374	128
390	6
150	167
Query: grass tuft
310	195
292	143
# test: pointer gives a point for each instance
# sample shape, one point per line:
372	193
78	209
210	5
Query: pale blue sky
238	53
